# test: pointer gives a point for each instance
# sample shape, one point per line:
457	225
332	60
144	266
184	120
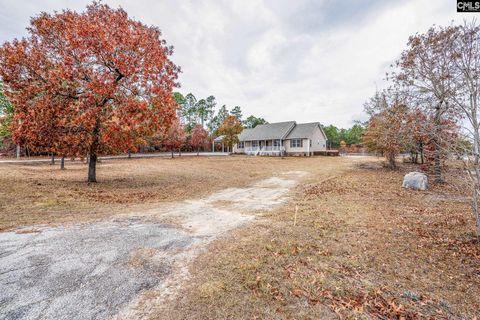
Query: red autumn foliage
175	137
91	82
397	129
387	132
199	137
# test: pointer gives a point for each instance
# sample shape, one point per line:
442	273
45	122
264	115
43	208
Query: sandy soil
123	266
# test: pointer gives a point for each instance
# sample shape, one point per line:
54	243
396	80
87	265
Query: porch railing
264	150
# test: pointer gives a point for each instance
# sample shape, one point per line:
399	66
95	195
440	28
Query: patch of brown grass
43	194
27	231
370	250
140	257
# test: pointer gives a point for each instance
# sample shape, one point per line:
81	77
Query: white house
287	138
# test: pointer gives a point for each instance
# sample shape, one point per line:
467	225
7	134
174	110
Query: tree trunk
437	167
92	168
391	161
129	154
172	154
198	152
62	163
476	178
18	151
421	153
52	159
92	164
180	152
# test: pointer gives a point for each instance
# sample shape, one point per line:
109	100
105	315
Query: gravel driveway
102	270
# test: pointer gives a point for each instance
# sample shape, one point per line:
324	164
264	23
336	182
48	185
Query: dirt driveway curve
120	267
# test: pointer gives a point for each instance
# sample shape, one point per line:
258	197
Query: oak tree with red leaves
175	137
230	129
88	83
426	74
387	132
199	137
396	127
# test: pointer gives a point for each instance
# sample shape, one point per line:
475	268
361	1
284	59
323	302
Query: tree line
339	136
199	122
431	106
204	111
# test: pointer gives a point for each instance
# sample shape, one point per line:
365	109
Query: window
241	145
255	144
296	143
276	143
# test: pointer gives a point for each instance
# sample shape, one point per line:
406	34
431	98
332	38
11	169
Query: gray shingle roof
303	130
268	131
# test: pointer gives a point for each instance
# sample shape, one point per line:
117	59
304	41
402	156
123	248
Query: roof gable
267	131
304	130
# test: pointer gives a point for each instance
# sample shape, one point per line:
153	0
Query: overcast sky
282	60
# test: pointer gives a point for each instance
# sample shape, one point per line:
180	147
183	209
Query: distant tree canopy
230	129
217	120
237	112
204	112
252	122
199	137
175	137
351	136
6	116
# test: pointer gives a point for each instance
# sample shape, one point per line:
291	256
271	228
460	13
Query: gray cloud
301	60
322	16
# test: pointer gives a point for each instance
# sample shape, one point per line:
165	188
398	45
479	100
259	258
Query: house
282	138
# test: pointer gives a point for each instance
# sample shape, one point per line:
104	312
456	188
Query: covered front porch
264	147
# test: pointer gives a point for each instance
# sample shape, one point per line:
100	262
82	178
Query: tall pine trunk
52	159
62	163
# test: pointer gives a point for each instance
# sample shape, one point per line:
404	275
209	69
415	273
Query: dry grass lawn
43	194
362	248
